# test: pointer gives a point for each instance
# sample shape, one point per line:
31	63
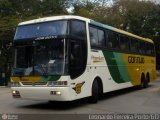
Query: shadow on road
56	105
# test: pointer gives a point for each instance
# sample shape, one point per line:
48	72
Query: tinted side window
78	28
113	41
134	45
93	36
101	39
124	43
97	37
150	49
142	47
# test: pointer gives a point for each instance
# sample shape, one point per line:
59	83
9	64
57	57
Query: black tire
95	92
141	86
146	82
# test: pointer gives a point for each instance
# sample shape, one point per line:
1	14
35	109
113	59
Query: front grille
34	83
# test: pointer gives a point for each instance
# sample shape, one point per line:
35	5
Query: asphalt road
125	101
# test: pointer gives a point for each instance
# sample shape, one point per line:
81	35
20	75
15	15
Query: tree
82	8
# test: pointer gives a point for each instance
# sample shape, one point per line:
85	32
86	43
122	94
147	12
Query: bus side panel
117	67
137	64
111	69
116	71
135	67
129	67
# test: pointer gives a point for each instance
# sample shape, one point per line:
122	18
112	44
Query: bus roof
47	19
63	17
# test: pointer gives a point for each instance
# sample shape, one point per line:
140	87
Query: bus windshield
46	58
42	29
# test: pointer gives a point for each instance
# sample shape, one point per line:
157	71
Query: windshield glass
46	58
41	29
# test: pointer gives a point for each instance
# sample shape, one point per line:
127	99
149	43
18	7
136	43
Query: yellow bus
64	58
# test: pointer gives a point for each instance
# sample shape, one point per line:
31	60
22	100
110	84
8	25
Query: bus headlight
55	93
16	94
15	84
57	83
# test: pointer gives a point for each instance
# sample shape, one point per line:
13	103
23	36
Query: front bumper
42	93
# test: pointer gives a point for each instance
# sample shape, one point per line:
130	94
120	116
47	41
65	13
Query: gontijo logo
78	87
132	59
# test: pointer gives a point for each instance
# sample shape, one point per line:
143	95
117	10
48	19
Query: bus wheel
95	92
146	82
141	86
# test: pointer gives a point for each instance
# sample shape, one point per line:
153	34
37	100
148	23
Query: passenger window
124	43
93	36
134	45
101	38
150	49
142	47
78	29
113	41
